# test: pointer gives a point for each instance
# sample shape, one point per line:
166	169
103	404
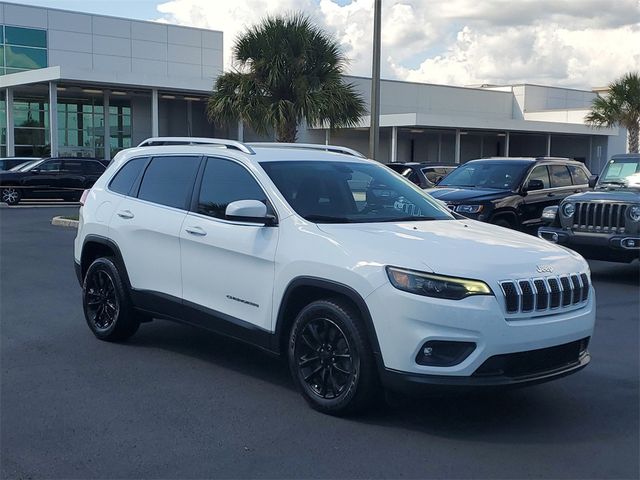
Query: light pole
374	132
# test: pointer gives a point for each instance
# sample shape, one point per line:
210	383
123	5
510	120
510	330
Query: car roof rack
309	146
222	142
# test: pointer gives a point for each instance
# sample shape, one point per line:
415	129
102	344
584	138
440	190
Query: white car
355	274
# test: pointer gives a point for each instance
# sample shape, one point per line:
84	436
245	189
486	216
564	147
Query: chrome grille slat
552	293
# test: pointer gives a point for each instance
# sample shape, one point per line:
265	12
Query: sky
571	43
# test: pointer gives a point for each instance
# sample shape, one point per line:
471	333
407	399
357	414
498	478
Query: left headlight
473	209
634	213
439	286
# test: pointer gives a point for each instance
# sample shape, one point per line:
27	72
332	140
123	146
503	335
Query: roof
526	159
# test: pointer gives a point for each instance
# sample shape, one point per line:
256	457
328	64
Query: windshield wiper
327	219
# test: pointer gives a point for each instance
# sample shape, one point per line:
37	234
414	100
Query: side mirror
593	179
35	170
252	211
533	185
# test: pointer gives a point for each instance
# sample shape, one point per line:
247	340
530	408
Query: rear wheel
330	358
10	195
107	308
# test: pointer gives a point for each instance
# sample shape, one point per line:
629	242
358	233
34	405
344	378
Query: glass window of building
22	49
31	122
120	126
81	127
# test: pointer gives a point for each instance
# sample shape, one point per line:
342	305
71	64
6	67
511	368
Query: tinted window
127	175
224	182
578	174
95	168
50	166
541	173
169	180
73	166
351	192
560	176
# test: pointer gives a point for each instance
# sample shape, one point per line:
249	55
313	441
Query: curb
64	222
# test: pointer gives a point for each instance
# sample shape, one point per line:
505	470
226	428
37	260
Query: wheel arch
508	213
303	290
96	246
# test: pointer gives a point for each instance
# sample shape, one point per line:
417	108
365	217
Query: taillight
84	196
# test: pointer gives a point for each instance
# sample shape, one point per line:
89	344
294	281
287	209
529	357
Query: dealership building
80	84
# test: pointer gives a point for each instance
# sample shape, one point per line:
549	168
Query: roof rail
222	142
310	146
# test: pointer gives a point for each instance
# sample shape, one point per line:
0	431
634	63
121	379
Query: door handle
127	214
196	231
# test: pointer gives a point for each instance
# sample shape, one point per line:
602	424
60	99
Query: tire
10	196
330	358
107	307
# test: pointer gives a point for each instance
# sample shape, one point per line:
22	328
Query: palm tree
620	107
287	70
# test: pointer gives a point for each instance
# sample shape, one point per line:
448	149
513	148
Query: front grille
599	217
542	294
534	362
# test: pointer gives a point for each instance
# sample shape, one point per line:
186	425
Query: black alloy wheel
324	358
107	306
102	302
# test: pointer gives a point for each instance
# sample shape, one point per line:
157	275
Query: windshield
25	167
498	175
623	172
345	192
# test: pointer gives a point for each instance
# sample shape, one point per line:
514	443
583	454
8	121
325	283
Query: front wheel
107	308
10	195
330	358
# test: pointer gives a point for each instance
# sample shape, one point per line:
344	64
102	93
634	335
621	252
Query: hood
612	195
463	248
454	194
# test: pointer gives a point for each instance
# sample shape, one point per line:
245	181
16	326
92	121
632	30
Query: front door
536	200
228	266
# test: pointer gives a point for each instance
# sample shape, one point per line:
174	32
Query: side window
51	166
224	182
540	173
432	174
93	168
169	180
578	174
73	166
127	176
560	176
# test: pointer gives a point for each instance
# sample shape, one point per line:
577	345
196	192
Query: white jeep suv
362	280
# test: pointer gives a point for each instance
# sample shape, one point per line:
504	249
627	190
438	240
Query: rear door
146	225
535	201
561	183
580	178
228	266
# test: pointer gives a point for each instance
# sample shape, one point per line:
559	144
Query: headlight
438	286
549	213
469	208
568	209
634	213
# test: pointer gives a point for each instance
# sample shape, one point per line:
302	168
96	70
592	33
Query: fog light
442	353
630	243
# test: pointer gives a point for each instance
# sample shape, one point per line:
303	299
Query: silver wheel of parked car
10	195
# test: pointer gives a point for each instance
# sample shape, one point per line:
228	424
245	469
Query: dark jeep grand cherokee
603	224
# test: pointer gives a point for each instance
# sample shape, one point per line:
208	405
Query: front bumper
595	246
404	322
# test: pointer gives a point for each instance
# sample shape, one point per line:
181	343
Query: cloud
575	43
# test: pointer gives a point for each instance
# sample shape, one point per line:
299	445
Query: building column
189	118
457	151
548	144
11	149
107	126
394	144
53	119
439	147
506	144
327	136
240	131
154	113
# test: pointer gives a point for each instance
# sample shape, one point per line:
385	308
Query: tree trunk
287	132
632	132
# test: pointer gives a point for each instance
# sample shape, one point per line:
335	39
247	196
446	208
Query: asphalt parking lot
175	402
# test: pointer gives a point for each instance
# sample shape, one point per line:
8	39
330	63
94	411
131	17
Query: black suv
64	178
511	192
425	175
603	224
